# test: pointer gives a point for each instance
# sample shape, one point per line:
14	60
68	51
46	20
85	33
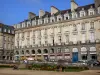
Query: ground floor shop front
69	53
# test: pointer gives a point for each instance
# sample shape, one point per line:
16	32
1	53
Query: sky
14	11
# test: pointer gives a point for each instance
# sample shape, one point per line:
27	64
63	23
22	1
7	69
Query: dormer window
66	18
91	11
5	30
8	31
59	19
45	20
82	13
0	29
52	19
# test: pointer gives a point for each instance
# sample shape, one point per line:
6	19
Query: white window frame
5	30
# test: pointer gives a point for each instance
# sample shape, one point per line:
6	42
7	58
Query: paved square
32	72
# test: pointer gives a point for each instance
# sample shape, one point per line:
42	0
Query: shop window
84	57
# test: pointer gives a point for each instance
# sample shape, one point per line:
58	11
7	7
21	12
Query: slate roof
86	7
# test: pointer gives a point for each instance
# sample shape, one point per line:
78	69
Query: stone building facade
6	42
71	34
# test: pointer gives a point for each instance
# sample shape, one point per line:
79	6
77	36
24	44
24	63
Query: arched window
33	51
39	51
45	51
22	52
75	50
67	50
27	52
52	50
17	52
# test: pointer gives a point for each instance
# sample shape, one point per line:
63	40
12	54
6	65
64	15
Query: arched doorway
74	55
22	52
52	50
33	51
39	51
45	51
45	54
27	52
84	53
93	53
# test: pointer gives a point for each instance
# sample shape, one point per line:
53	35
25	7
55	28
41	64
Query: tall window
92	25
0	29
91	13
33	41
83	38
82	13
5	30
83	26
67	38
92	37
99	10
59	38
75	28
28	34
59	50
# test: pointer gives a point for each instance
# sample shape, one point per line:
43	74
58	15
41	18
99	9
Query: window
39	51
92	37
0	29
33	41
27	52
75	28
67	50
66	18
8	31
83	38
92	25
83	26
59	19
52	50
91	13
5	45
99	10
5	30
82	13
22	52
33	51
67	38
59	38
46	20
84	57
12	31
59	50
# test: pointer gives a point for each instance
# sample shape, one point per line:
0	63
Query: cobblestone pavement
30	72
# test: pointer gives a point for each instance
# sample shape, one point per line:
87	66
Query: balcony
67	33
59	34
92	30
83	31
75	32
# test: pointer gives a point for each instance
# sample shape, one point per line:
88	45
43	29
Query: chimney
97	3
41	13
74	5
53	10
31	15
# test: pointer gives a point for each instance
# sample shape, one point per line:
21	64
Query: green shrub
6	66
